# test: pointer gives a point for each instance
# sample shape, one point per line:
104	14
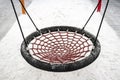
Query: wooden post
23	2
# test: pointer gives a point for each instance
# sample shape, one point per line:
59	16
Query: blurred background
7	17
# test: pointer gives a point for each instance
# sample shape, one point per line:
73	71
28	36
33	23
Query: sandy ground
67	12
7	17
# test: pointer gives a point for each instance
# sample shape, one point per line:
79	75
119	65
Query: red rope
60	47
99	6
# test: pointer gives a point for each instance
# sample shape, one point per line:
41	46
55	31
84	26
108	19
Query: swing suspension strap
99	3
18	22
81	30
20	27
102	20
91	15
29	16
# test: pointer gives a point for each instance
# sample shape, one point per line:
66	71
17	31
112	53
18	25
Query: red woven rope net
60	47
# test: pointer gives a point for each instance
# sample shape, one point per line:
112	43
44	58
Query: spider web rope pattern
60	47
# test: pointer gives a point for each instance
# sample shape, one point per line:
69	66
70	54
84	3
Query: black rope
90	16
101	21
29	16
18	22
81	29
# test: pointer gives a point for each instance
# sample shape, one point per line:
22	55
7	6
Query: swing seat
39	54
60	48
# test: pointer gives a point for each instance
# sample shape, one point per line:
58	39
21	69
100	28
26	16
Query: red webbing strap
99	6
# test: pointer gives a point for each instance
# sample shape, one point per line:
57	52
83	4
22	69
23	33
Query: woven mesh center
60	47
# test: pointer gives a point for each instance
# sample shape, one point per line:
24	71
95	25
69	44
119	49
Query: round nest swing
60	48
